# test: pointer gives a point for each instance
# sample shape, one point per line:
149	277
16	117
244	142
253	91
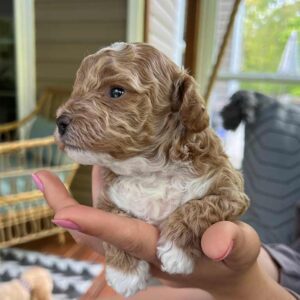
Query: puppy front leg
124	273
179	243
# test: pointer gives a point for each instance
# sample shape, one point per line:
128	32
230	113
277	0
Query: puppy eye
116	92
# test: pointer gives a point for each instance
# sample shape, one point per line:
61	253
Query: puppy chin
58	140
82	157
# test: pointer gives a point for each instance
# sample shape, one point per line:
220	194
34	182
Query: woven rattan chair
24	214
46	107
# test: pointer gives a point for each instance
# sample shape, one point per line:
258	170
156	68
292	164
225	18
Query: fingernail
38	183
226	253
66	224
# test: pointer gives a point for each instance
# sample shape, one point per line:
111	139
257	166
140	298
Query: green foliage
267	27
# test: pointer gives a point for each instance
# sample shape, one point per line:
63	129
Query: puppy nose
62	123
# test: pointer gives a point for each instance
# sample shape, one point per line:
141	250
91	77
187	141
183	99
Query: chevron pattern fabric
71	278
271	170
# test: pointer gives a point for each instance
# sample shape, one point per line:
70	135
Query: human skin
233	264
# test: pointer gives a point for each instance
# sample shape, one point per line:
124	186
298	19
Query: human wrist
268	264
253	284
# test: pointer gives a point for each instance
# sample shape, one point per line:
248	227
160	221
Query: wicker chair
46	108
24	214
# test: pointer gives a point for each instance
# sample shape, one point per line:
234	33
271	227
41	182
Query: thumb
236	244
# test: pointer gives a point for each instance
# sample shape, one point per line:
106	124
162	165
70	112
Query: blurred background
227	45
43	42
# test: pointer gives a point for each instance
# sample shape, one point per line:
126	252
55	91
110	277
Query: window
165	28
263	55
7	63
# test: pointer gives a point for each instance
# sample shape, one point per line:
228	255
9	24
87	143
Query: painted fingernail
226	253
38	183
66	224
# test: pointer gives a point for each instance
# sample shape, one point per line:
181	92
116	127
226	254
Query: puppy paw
127	284
174	260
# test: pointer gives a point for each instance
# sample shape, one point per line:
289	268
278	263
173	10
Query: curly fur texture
163	163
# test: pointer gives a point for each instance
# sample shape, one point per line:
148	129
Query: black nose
62	123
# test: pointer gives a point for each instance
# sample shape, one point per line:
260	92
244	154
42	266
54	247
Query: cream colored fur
128	284
149	189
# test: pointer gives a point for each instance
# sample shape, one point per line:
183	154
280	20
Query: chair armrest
9	147
19	159
7	127
4	128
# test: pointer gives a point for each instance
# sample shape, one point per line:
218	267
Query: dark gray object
271	164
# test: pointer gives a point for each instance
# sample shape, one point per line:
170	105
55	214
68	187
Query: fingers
54	190
236	244
89	241
131	235
58	198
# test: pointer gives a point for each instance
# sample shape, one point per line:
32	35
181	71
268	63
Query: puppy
243	106
137	114
35	284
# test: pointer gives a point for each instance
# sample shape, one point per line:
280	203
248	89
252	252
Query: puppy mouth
60	145
70	147
63	145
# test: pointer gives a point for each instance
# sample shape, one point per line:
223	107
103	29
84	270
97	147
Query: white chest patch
148	190
154	197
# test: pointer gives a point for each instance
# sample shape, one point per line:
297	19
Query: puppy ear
189	104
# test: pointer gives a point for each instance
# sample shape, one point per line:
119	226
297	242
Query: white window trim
180	48
24	24
135	21
259	77
206	42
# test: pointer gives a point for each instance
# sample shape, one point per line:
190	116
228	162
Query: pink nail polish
226	253
66	224
38	183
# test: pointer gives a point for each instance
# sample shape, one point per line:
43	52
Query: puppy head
128	100
242	107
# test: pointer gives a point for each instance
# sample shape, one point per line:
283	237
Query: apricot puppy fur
137	114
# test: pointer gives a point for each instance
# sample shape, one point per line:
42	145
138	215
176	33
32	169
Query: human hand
228	269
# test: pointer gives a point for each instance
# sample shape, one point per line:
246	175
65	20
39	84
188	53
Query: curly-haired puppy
136	113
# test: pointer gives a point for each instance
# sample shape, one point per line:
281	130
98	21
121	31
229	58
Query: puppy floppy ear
189	104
